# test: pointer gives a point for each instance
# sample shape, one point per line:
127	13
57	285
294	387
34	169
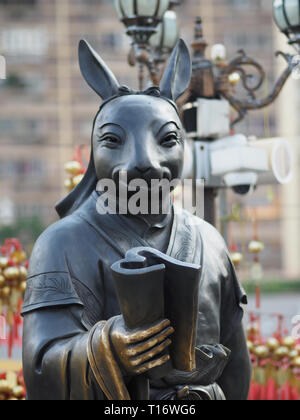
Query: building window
24	42
18	2
22	130
22	168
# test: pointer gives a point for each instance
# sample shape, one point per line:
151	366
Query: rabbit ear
96	72
177	74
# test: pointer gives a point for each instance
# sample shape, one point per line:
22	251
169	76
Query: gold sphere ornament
77	179
252	329
288	342
293	354
23	273
296	362
73	167
272	343
18	256
69	184
3	262
11	273
281	352
261	352
5	388
234	78
5	292
2	281
236	258
255	246
18	391
250	346
23	286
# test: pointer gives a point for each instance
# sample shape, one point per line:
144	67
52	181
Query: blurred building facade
47	109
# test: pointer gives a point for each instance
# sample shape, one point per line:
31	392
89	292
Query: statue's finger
153	341
150	354
145	334
150	365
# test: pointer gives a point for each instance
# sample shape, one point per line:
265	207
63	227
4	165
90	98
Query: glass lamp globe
141	17
141	8
287	18
167	32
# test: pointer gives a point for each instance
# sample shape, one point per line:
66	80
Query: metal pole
210	195
223	213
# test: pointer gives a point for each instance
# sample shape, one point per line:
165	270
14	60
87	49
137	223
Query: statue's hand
140	350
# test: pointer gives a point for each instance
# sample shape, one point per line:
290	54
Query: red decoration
275	361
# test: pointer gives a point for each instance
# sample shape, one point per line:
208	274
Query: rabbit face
141	135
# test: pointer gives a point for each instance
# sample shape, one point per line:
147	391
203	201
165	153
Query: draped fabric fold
103	363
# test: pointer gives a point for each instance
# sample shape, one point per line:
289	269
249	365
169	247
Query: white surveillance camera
242	183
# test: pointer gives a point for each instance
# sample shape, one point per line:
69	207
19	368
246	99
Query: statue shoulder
212	236
209	234
59	240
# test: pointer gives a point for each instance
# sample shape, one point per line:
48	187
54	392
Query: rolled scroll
152	286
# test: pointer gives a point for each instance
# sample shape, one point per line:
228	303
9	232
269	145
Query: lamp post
152	26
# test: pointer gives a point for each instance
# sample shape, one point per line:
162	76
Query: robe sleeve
62	346
55	361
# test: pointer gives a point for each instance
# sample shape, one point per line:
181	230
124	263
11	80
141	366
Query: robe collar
185	242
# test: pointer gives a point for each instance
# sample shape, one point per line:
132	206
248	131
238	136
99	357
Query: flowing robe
70	289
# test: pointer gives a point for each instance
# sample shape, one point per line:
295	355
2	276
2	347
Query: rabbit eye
110	140
170	140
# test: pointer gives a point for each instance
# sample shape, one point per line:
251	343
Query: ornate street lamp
287	18
141	18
